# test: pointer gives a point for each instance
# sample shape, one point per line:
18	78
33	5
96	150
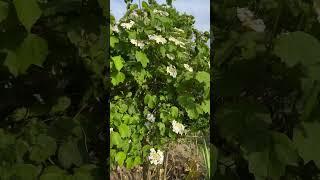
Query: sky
200	9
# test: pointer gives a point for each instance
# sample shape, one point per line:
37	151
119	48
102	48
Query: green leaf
203	76
308	143
28	12
44	148
69	154
53	176
33	50
272	162
120	157
150	100
162	128
145	5
298	47
206	106
19	114
142	58
24	171
115	139
117	78
174	112
124	130
118	62
4	9
62	104
113	41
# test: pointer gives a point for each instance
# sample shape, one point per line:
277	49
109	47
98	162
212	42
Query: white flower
171	57
115	29
178	127
156	157
176	41
134	14
257	25
159	39
162	13
248	20
150	117
189	68
140	44
111	130
127	25
316	5
180	30
244	14
130	141
172	71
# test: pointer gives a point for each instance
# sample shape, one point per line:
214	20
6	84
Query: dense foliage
52	89
160	81
266	75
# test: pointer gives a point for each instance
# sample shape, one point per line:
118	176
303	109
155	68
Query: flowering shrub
160	82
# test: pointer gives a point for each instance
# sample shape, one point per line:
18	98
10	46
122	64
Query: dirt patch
182	160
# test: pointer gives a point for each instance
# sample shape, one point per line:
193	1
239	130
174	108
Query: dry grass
182	161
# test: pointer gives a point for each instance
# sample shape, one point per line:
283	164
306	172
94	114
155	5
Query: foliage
267	90
159	68
52	75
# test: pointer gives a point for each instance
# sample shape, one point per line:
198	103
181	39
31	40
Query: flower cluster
247	18
179	30
178	127
176	42
172	71
137	43
127	25
189	68
151	118
162	13
158	38
156	157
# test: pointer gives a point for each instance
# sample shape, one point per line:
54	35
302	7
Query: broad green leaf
120	157
206	106
19	114
69	154
118	62
142	58
33	50
28	12
203	76
113	41
311	102
150	100
307	142
22	148
117	78
129	162
115	139
44	148
62	104
24	171
145	5
53	176
4	9
298	47
272	162
162	128
174	112
124	131
190	106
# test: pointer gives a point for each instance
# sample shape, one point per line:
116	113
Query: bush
160	81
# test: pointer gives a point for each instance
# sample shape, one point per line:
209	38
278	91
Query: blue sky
200	9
